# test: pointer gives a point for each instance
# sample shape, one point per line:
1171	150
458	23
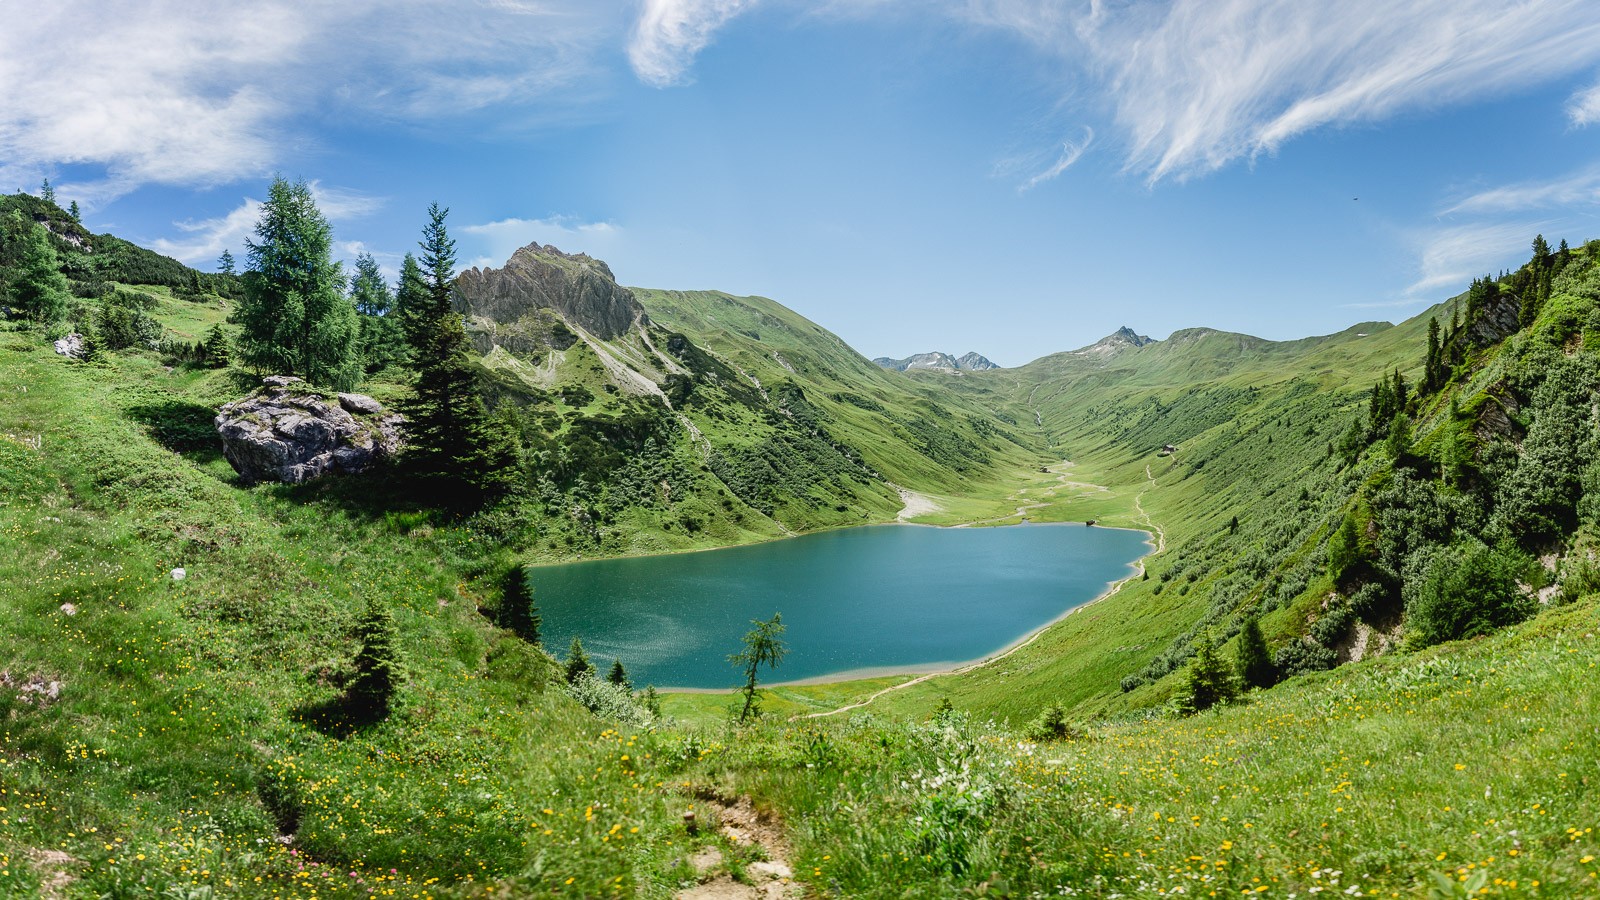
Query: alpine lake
865	601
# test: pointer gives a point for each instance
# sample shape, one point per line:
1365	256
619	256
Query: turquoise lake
880	597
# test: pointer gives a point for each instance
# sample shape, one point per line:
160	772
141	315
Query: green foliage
294	316
1464	591
452	445
1053	725
518	609
217	349
1253	664
578	665
121	321
225	263
763	646
36	286
610	700
1209	680
619	675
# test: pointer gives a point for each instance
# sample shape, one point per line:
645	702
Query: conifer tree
763	646
37	286
225	263
76	216
518	611
1210	680
46	192
1254	663
217	349
410	299
452	443
618	675
377	671
295	317
382	341
578	664
368	289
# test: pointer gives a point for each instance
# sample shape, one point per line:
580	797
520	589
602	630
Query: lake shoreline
920	672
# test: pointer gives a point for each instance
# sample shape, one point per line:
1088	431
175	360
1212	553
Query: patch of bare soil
771	878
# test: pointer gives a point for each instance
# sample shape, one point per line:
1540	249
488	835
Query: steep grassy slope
917	435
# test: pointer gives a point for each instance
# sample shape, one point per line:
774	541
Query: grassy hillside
172	737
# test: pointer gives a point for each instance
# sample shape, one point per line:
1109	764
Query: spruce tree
578	664
295	317
382	341
1254	663
46	192
518	611
368	289
1210	680
452	445
618	675
37	286
377	671
73	212
411	299
225	263
217	349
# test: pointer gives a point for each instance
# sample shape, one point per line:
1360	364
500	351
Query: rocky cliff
541	291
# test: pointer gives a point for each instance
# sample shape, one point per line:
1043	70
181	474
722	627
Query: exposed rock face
71	346
288	432
577	288
971	362
1123	338
1495	321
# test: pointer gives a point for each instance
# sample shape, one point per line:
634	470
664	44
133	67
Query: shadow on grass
337	717
181	426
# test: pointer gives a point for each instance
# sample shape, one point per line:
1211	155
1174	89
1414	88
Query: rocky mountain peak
970	362
578	288
1117	341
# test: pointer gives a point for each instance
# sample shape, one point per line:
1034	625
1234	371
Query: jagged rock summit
541	294
1123	338
970	362
286	431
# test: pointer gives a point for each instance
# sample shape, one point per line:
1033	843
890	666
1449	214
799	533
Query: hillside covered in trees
1375	576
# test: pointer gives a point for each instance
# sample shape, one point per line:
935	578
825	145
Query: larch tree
763	646
295	317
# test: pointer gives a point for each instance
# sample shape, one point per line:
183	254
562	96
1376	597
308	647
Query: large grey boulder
580	289
288	432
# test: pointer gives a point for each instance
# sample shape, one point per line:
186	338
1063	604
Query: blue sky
1014	177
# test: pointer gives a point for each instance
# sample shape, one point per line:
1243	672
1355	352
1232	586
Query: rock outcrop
514	304
70	346
970	362
288	432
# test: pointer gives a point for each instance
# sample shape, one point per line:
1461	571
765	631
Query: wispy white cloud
670	33
1584	107
1579	189
1450	257
1071	152
1194	85
498	240
187	92
203	240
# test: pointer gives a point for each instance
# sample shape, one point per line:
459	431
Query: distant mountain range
971	362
